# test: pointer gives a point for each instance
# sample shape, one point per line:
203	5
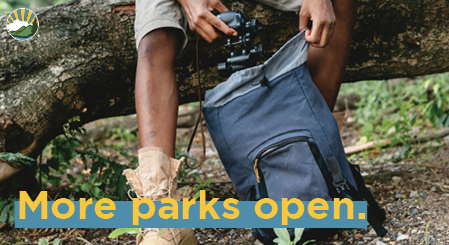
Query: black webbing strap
366	194
270	233
244	194
324	171
374	217
338	179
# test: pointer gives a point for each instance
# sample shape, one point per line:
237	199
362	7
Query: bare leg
327	65
156	89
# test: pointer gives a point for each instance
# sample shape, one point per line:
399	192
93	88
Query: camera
243	53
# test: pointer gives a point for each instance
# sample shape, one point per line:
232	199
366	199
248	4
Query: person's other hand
322	14
202	21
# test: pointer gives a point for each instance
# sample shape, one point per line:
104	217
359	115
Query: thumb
218	5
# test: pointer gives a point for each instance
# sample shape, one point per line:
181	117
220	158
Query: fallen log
83	59
386	142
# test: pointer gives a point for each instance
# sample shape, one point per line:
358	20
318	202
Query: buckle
342	186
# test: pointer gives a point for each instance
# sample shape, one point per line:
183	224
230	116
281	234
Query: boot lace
163	192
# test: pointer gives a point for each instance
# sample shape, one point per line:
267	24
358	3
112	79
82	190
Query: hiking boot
156	178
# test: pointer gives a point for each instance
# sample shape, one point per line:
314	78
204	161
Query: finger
327	33
303	20
325	38
200	32
207	32
315	36
220	25
210	31
219	6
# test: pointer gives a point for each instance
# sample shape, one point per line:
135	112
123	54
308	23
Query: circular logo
22	24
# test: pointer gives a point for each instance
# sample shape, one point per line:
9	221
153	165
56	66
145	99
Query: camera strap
198	121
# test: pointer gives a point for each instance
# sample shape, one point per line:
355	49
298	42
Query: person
160	31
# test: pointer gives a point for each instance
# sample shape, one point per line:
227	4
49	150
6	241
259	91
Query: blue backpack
278	139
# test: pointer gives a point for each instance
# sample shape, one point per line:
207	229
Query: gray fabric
242	82
284	5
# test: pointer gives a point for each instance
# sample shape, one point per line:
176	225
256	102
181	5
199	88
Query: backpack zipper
267	150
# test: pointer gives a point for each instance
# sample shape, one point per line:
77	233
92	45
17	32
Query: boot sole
190	240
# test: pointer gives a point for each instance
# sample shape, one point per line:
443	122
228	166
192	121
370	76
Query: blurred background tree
7	6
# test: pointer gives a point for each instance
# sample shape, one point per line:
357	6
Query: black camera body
243	53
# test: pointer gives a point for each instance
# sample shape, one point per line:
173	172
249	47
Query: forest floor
414	192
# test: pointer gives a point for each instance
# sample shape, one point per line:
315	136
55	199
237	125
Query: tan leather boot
156	178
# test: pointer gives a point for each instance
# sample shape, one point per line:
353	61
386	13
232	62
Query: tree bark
82	61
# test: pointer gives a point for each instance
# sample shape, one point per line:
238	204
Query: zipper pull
256	170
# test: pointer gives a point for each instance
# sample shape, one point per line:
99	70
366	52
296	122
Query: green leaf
42	242
133	232
158	235
71	178
79	178
446	124
12	219
367	130
427	83
45	169
394	142
96	191
441	120
282	233
386	125
76	188
121	231
362	140
56	241
404	107
436	87
280	242
92	178
85	187
55	181
2	204
53	163
298	234
4	214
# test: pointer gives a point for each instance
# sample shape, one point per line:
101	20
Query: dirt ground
414	192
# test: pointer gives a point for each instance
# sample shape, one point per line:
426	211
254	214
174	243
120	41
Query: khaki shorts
156	14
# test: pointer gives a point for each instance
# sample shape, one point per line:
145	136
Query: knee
161	41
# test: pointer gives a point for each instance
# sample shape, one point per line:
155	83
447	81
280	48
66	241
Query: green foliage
124	135
43	242
427	229
283	237
7	210
105	180
201	185
133	231
17	159
180	152
402	110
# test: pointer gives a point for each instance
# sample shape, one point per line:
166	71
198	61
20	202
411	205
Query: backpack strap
244	194
376	215
324	170
338	180
366	194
